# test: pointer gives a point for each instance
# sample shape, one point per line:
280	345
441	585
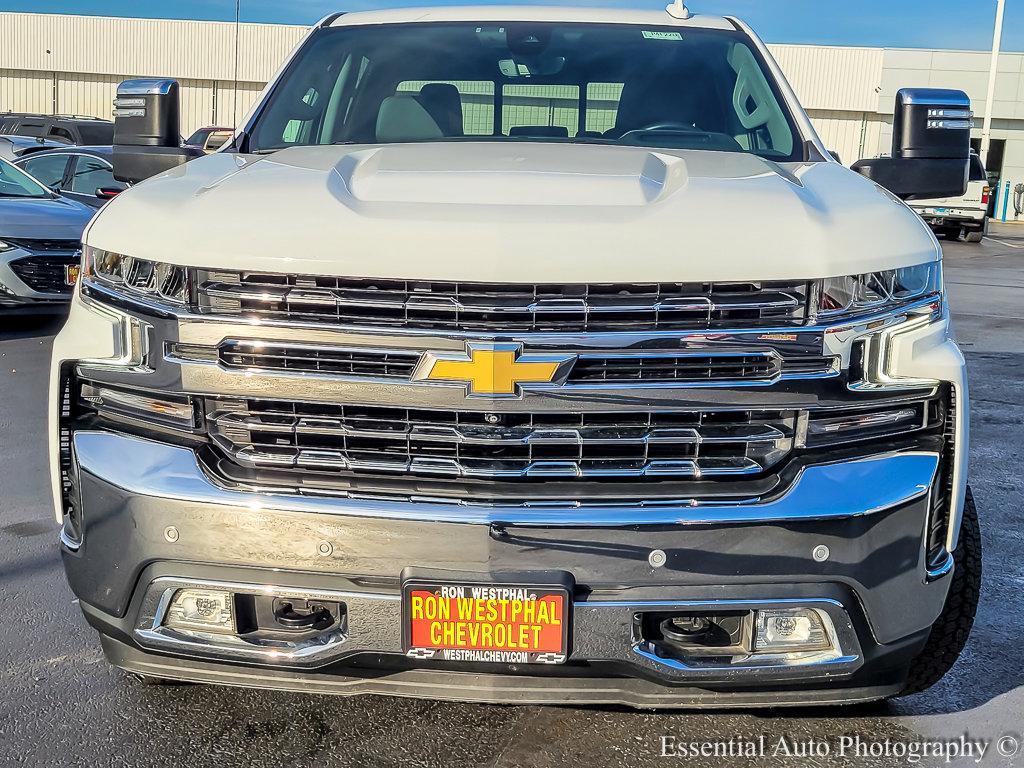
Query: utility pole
234	93
997	40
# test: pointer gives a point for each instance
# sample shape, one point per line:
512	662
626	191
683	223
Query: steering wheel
665	126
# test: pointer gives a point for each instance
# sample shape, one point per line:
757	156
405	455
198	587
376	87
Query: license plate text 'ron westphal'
487	619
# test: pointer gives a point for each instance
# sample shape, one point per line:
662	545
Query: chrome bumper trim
357	634
826	491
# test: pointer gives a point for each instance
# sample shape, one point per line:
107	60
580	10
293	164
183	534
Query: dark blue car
40	240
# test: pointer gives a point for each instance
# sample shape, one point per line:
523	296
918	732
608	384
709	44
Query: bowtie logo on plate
493	370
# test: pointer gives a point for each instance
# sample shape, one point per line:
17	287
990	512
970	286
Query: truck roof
498	13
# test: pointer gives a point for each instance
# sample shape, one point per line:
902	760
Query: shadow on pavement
29	326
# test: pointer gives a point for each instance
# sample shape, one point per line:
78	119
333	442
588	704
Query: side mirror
147	134
835	156
931	146
108	193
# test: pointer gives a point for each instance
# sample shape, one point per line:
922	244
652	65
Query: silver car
40	240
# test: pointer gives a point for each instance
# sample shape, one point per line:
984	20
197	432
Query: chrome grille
590	368
339	361
502	307
370	439
682	368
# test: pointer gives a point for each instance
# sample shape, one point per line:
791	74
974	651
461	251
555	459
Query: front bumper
874	584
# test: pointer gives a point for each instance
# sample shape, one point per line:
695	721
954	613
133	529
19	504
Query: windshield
552	82
198	138
17	183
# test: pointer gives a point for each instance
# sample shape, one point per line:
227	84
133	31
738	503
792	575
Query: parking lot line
1003	242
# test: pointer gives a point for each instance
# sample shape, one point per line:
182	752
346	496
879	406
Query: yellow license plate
71	272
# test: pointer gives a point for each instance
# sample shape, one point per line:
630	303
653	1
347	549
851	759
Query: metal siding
854	135
25	91
152	47
833	78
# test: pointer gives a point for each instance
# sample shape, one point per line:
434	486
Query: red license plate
486	623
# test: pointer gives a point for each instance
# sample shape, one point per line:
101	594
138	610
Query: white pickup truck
521	355
962	216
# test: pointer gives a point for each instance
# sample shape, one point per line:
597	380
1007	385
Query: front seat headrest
402	118
443	102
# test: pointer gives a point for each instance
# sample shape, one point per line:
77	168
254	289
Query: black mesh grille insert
46	274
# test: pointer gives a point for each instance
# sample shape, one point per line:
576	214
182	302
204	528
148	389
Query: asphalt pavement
61	704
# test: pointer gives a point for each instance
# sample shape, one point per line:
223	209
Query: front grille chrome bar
501	308
369	439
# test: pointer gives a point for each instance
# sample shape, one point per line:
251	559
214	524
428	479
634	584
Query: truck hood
523	212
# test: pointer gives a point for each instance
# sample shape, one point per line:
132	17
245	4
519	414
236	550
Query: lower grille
337	438
45	274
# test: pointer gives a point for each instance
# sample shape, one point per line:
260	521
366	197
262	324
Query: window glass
198	138
602	106
48	169
977	169
540	110
663	87
31	129
15	183
61	134
471	101
91	174
218	140
96	133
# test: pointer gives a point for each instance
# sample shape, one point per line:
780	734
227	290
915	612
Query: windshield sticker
648	35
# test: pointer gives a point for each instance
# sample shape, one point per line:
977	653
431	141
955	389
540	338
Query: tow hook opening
685	635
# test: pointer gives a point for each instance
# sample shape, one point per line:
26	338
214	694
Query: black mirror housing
931	146
147	130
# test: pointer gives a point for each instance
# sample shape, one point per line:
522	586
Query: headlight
878	291
136	276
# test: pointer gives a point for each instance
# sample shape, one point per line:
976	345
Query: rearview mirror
147	133
931	146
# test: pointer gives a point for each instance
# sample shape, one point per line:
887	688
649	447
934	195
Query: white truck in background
962	216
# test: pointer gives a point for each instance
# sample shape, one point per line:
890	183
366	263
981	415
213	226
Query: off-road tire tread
949	634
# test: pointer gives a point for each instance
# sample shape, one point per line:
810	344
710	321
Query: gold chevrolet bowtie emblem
493	369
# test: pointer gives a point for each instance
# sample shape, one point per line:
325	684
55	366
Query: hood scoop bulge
486	174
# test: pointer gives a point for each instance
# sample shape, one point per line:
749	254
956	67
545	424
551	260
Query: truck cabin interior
578	83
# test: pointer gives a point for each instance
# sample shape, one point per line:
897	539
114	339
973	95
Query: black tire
952	233
950	632
975	236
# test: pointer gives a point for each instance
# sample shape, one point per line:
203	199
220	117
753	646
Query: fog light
206	610
790	630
